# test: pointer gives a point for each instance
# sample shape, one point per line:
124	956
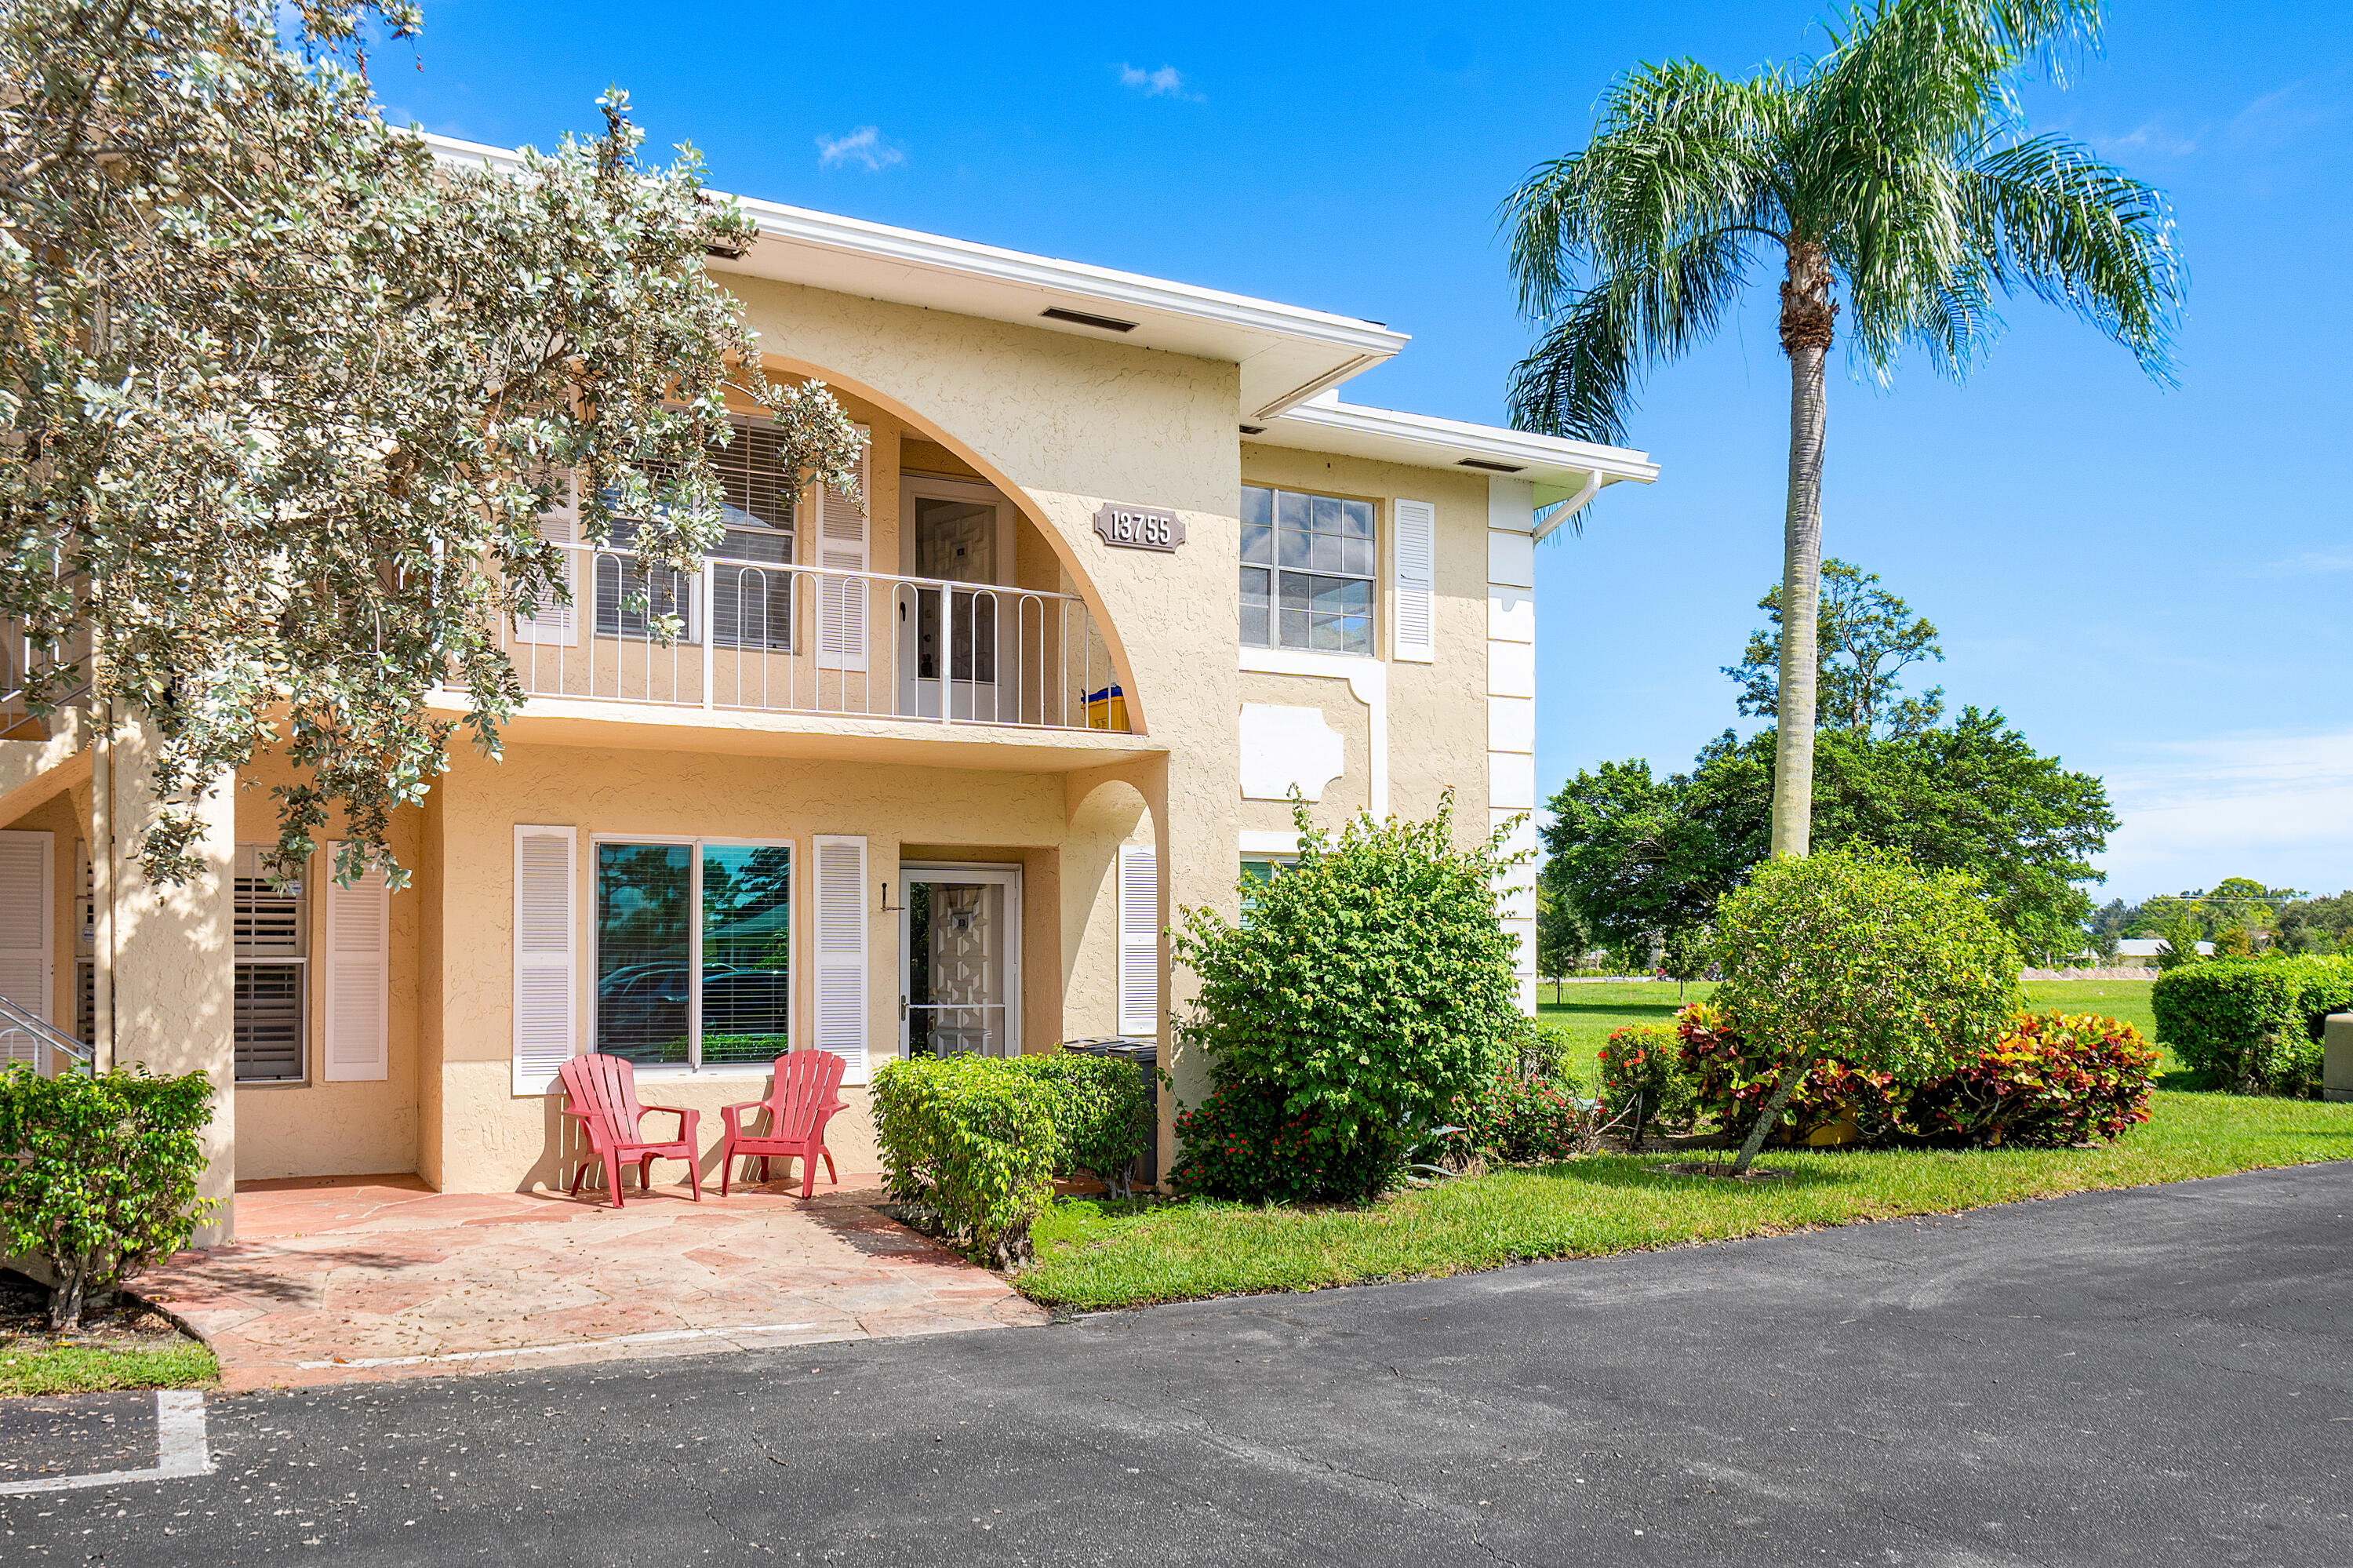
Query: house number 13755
1139	527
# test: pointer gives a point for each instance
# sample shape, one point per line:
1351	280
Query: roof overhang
1560	470
1286	355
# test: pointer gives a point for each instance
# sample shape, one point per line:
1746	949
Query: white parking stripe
180	1449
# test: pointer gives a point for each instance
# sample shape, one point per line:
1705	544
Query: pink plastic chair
802	1099
602	1091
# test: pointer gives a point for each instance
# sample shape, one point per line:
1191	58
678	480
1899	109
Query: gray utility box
1145	1056
2337	1057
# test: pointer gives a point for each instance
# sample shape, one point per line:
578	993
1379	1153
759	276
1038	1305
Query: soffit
1559	468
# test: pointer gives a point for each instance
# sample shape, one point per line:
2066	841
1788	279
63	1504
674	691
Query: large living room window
694	951
1308	563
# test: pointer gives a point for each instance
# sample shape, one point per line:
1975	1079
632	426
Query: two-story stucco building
929	771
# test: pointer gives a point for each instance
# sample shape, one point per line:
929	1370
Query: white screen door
960	970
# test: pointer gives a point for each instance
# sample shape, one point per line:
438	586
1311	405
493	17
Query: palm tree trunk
1808	316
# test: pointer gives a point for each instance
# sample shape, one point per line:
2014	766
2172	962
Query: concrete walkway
358	1278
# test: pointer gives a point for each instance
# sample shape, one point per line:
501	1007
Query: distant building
2144	949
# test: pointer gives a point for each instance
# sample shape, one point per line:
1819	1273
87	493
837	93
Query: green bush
1104	1118
1522	1119
2053	1080
2252	1023
1244	1143
2049	1079
1643	1075
97	1176
975	1138
1550	1051
1370	987
1859	954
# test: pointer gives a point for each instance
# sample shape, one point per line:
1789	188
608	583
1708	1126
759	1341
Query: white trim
1425	441
180	1450
1570	508
1368	678
1266	841
847	1033
1139	941
1413	581
566	959
39	904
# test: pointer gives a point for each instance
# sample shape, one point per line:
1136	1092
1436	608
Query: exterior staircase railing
48	1050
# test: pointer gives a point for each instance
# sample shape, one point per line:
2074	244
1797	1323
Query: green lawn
39	1365
1095	1256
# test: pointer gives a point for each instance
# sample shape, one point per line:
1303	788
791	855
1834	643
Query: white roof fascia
1560	469
1286	354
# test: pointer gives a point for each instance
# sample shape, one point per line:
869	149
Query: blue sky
2154	584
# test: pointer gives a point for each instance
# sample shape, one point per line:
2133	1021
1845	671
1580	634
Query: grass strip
35	1366
1092	1254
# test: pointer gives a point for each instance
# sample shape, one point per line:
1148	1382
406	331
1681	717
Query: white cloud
2310	561
2149	138
2275	807
863	147
1165	82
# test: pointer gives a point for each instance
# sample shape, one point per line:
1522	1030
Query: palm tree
1897	171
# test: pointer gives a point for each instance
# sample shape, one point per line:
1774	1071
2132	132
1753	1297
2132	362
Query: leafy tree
1896	171
1561	939
284	397
2317	925
1860	955
2108	925
1638	856
2238	904
1865	639
1373	983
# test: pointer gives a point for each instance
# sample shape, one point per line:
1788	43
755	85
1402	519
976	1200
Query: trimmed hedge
981	1138
2052	1079
2253	1025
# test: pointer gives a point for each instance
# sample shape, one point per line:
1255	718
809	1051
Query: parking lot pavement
2155	1376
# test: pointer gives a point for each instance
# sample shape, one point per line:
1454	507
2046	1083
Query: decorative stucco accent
1285	749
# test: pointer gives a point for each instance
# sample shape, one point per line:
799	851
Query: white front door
960	961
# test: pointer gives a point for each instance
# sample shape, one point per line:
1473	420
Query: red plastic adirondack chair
803	1099
602	1091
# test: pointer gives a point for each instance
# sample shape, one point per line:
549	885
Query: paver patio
355	1278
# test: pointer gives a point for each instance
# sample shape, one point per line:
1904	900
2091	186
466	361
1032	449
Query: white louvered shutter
841	950
1139	940
1413	599
559	623
844	544
25	922
358	974
546	997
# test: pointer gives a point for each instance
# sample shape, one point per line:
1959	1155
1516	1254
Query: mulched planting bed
125	1344
1721	1171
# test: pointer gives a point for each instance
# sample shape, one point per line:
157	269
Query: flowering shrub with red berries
2052	1078
1644	1080
1242	1143
1522	1118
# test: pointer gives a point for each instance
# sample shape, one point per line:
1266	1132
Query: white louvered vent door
551	622
840	966
1139	940
844	544
1413	595
358	976
546	996
25	922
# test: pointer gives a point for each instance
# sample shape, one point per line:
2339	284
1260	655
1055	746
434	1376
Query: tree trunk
1770	1117
1808	316
66	1296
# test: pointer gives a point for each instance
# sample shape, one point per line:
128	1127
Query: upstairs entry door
956	534
960	970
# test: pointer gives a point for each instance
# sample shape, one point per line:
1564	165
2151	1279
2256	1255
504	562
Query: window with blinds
752	583
271	930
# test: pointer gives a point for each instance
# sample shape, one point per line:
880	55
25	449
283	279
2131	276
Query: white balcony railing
773	638
21	659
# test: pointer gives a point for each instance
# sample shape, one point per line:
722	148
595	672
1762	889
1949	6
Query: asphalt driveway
2156	1376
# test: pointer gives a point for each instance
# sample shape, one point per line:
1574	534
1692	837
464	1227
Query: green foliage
2052	1079
1643	1075
1562	941
1518	1120
2316	925
1864	638
1103	1118
977	1140
98	1175
1552	1052
283	396
2252	1023
1372	984
1635	853
1860	955
1244	1143
1894	160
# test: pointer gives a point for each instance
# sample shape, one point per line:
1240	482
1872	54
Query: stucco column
165	970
